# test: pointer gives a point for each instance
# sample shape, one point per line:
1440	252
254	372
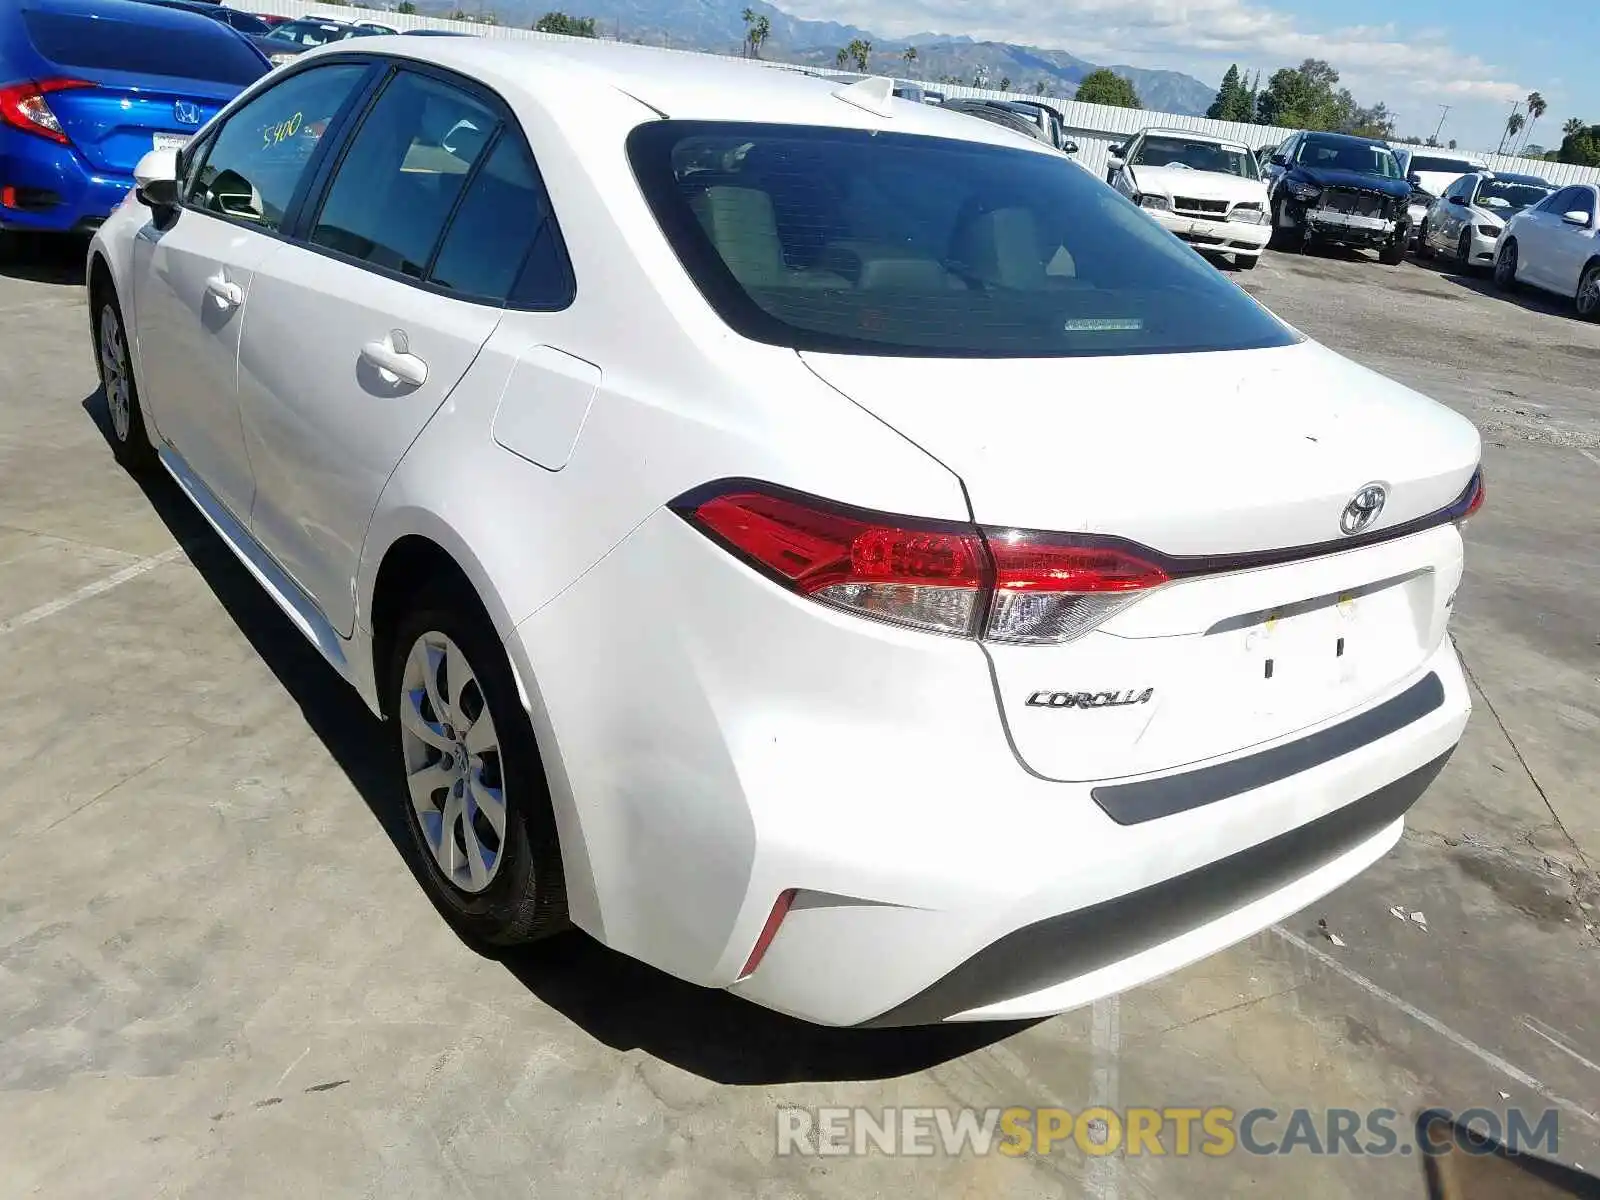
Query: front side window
402	173
1337	154
1582	201
258	158
862	242
1196	155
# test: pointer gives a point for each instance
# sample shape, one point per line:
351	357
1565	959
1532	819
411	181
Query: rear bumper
742	742
57	192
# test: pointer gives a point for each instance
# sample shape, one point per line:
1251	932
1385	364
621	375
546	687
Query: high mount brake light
23	106
945	577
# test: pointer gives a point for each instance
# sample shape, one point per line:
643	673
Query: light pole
1444	111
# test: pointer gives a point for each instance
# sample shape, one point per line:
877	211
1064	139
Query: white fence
1095	127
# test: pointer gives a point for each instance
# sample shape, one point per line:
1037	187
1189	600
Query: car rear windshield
1197	156
1443	166
206	51
311	33
853	241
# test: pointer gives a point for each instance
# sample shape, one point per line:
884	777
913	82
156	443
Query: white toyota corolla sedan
831	552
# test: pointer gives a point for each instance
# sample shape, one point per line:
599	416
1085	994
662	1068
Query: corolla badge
1363	509
186	112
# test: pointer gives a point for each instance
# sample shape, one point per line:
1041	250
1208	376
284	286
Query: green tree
1233	99
1452	144
1041	88
1537	107
559	22
1513	123
1005	83
1303	98
1581	146
406	8
1107	87
909	57
858	53
757	29
1573	125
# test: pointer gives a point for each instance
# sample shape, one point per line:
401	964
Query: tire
1588	297
1464	250
1393	253
1424	251
1245	262
1286	234
1505	267
520	894
129	440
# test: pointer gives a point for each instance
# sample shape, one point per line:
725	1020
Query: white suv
839	553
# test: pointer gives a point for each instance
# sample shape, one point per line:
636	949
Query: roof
151	16
679	85
1353	139
1509	177
1195	135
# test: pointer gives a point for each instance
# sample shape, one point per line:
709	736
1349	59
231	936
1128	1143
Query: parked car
439	33
248	25
377	27
1553	246
91	85
750	642
273	19
1468	219
291	39
1203	188
1429	175
1342	190
1038	122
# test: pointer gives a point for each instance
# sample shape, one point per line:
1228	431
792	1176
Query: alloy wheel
1589	293
1464	249
1505	266
452	763
114	371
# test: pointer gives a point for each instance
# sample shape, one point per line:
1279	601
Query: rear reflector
23	106
944	577
780	910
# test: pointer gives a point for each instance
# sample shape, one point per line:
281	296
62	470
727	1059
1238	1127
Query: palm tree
909	54
1536	109
758	35
1573	125
860	53
841	58
1040	87
749	19
1513	124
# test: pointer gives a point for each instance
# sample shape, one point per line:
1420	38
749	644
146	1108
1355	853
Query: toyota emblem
1363	509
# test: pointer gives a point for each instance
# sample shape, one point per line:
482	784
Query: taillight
23	106
1476	495
945	577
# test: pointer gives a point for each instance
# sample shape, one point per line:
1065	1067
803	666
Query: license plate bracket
169	141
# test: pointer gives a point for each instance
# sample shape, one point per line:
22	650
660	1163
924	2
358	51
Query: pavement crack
1517	750
1217	1012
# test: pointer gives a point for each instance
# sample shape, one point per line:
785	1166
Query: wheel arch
426	550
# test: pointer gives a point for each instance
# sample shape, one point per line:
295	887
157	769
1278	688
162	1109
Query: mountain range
718	25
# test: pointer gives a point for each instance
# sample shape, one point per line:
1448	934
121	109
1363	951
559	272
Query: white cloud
1373	60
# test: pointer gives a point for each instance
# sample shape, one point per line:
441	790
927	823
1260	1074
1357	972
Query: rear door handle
392	356
226	294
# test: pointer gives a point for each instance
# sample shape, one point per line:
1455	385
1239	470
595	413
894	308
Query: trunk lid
1197	455
117	122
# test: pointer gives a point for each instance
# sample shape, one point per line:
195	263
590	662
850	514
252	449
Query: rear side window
200	50
402	174
502	231
863	242
259	157
1442	166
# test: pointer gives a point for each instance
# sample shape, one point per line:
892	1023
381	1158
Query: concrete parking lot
218	977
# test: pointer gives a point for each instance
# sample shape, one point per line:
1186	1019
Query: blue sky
1473	55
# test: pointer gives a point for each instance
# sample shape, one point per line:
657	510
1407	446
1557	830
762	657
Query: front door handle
394	360
226	294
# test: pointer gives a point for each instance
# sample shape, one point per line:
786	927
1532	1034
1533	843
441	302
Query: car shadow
615	999
46	259
1481	281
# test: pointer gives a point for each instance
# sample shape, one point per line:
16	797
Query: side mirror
1069	147
1114	160
1576	217
1115	151
1414	180
156	179
1461	200
1279	160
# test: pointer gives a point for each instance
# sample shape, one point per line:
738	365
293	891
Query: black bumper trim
1064	947
1149	799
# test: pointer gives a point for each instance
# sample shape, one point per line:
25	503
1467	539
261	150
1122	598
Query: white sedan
1468	218
1207	190
1555	245
835	553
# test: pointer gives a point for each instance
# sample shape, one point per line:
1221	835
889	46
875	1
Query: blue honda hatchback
87	87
